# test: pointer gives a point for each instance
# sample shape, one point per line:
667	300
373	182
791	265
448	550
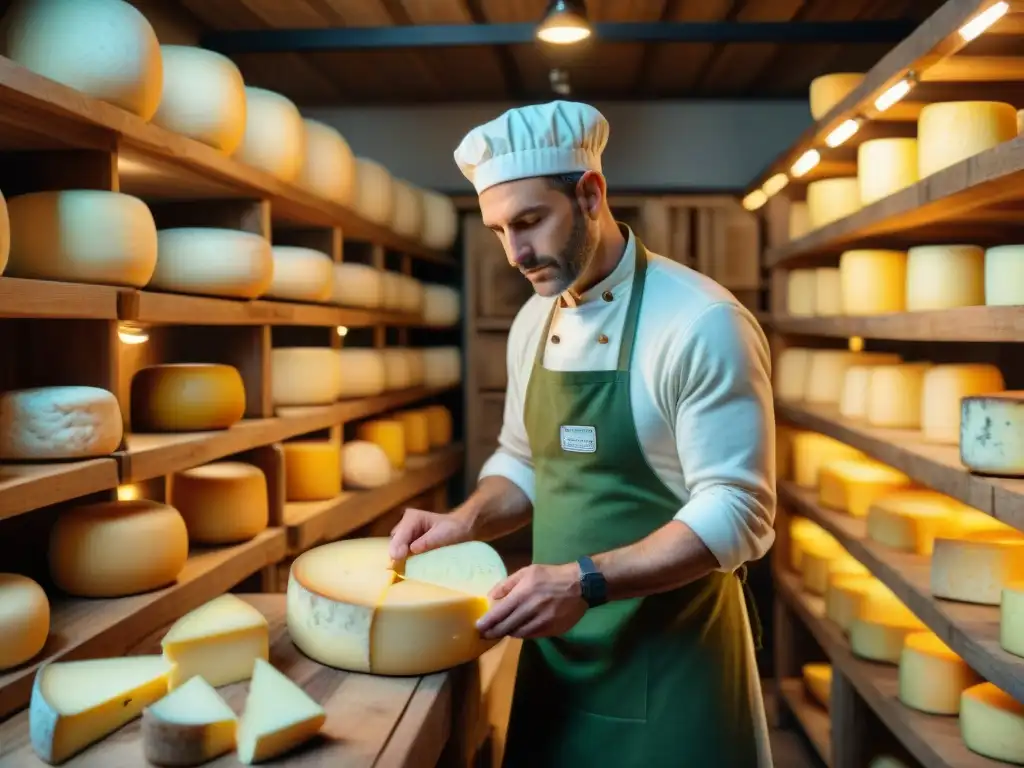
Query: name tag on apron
579	439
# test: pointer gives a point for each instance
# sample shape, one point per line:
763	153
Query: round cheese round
873	282
975	568
824	560
375	196
391	290
24	619
362	372
895	395
312	469
818	681
186	397
801	531
828	296
417	366
117	548
853	400
848	595
811	451
396	369
1011	619
82	236
222	503
203	97
389	435
47	423
301	274
440	221
213	262
825	375
442	366
410	295
800	292
416	428
932	676
439	421
790	377
274	139
992	433
831	199
949	132
305	375
357	285
328	165
828	90
944	387
885	166
945	277
364	465
911	520
441	306
879	633
407	213
799	219
1004	275
992	723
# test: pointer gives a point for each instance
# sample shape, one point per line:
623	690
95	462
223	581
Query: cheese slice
911	520
895	395
950	132
873	281
278	716
822	561
885	166
219	641
975	569
818	682
849	595
945	277
944	387
992	723
77	703
812	450
932	676
879	633
800	292
1011	619
189	726
851	485
992	433
1004	276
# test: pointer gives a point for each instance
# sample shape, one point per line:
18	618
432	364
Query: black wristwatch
592	583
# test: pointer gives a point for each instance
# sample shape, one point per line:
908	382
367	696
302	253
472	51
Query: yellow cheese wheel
312	470
873	282
829	200
1004	275
824	560
992	723
811	451
911	520
828	297
790	373
389	435
117	548
365	465
416	427
799	219
885	166
853	400
186	397
851	485
975	568
945	277
305	375
944	387
1011	619
439	425
802	531
881	630
826	373
24	619
848	597
274	139
223	503
895	395
949	132
828	90
932	677
818	682
800	292
328	165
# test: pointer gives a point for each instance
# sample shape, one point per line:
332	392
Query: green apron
656	682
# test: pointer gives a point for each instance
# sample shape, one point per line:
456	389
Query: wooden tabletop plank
992	324
25	487
813	718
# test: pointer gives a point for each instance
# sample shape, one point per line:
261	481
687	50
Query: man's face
545	233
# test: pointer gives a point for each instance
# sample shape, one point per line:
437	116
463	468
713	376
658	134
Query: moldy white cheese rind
46	423
992	433
24	619
944	388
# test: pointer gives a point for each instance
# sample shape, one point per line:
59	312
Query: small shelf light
564	23
342	331
843	132
856	344
983	20
755	200
805	163
895	92
132	333
775	184
127	492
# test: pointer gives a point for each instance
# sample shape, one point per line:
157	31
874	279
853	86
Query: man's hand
536	601
419	531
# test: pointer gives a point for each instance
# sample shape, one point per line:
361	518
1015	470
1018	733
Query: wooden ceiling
609	71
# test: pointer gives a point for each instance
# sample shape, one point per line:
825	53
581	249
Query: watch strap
593	587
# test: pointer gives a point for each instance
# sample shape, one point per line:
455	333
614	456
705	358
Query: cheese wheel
213	262
190	726
823	560
416	429
362	372
800	296
364	465
945	277
441	306
944	387
828	90
895	395
24	619
440	221
312	470
828	295
104	48
881	630
274	139
222	503
829	200
301	274
82	236
852	485
853	399
439	424
186	397
389	434
417	366
375	194
117	548
874	282
911	520
278	716
818	682
950	132
849	596
442	367
396	369
409	295
992	723
827	372
391	290
357	285
1004	275
932	676
203	97
47	423
992	433
802	531
811	451
305	375
1011	618
328	165
799	219
885	166
790	377
407	212
975	569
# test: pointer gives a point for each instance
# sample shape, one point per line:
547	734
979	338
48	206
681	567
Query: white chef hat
536	140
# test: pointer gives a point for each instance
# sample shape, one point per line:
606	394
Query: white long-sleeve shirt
700	393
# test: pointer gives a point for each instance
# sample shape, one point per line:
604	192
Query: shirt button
607	296
555	339
602	339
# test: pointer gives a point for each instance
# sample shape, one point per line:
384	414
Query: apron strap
756	628
633	312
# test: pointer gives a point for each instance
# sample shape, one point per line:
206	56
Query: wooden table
382	722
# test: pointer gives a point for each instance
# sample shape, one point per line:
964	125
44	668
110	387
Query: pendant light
564	23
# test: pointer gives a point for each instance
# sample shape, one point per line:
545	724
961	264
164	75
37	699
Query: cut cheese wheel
799	220
278	716
82	236
975	569
328	165
818	682
852	485
801	532
189	726
992	723
470	567
305	375
441	306
442	367
364	465
219	641
389	435
440	221
416	428
829	200
117	548
932	676
944	387
828	297
824	560
879	633
223	502
312	470
46	423
895	395
828	90
800	287
849	596
439	424
945	277
375	195
991	433
790	377
213	262
362	372
104	48
397	374
1011	618
186	397
301	274
885	166
274	139
911	520
77	703
874	282
203	97
357	285
811	451
407	212
24	619
1004	275
949	132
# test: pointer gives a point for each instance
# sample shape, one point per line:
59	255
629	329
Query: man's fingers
500	611
524	612
409	528
500	590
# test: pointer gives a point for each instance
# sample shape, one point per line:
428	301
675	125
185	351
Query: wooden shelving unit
811	716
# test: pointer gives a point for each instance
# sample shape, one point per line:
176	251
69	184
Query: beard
570	262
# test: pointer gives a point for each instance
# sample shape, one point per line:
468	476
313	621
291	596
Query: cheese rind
224	502
358	285
24	619
874	281
828	295
364	465
932	676
975	569
375	196
312	470
828	90
818	682
397	374
945	277
1004	275
911	520
852	485
829	200
991	433
824	560
208	261
389	435
881	630
186	397
439	424
46	423
274	139
363	372
800	292
943	389
328	165
278	716
849	597
827	372
441	306
301	274
950	132
416	429
440	220
189	726
442	366
885	166
305	375
1011	619
790	373
407	212
992	723
895	395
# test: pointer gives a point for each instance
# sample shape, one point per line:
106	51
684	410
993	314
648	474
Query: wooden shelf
937	466
932	739
813	718
494	323
303	419
310	522
24	487
970	630
371	720
86	628
990	324
36	298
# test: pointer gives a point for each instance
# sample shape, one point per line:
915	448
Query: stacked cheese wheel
817	375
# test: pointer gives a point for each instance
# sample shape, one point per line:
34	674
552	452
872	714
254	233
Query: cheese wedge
189	726
932	676
220	641
77	703
278	716
818	681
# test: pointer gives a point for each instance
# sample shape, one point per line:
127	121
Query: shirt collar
622	274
